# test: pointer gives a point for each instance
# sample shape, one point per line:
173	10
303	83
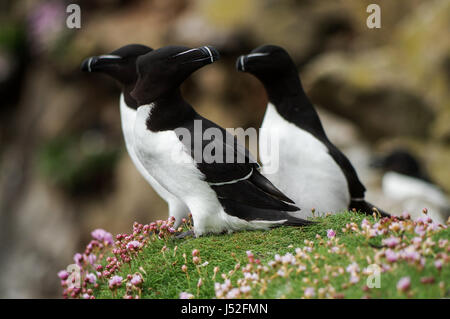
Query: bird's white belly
306	173
128	117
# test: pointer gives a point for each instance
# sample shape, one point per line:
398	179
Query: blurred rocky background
64	170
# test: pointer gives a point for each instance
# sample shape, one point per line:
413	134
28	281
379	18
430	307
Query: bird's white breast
307	173
128	118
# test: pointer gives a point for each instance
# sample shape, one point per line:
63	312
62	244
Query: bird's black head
163	70
119	64
267	61
400	161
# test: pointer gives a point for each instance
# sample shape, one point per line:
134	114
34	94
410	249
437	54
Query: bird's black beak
99	63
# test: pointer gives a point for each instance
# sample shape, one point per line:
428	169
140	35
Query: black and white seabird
312	170
406	182
121	65
178	147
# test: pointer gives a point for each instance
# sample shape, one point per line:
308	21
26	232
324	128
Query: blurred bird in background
406	181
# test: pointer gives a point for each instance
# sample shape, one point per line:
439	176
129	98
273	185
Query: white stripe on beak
110	56
251	55
242	63
184	52
89	64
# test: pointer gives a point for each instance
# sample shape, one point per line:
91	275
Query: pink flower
438	264
353	268
78	258
136	280
92	258
115	281
391	241
354	278
406	215
195	252
63	274
309	292
411	255
331	233
133	244
420	230
91	278
391	256
186	295
404	284
103	236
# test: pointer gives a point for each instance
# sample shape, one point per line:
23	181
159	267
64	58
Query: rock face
379	112
375	89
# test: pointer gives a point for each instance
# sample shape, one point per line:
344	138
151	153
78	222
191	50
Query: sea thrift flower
115	282
92	258
404	284
391	241
309	292
420	230
195	252
63	274
354	278
91	278
353	268
186	295
331	233
136	280
391	256
133	244
103	236
438	264
78	258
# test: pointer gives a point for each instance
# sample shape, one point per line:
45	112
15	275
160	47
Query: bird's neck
287	94
126	89
169	112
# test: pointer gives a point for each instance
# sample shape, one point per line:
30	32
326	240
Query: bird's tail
367	208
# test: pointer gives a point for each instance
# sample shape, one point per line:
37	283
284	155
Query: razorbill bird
180	149
121	65
312	171
406	181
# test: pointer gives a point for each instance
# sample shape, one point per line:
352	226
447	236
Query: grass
315	265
